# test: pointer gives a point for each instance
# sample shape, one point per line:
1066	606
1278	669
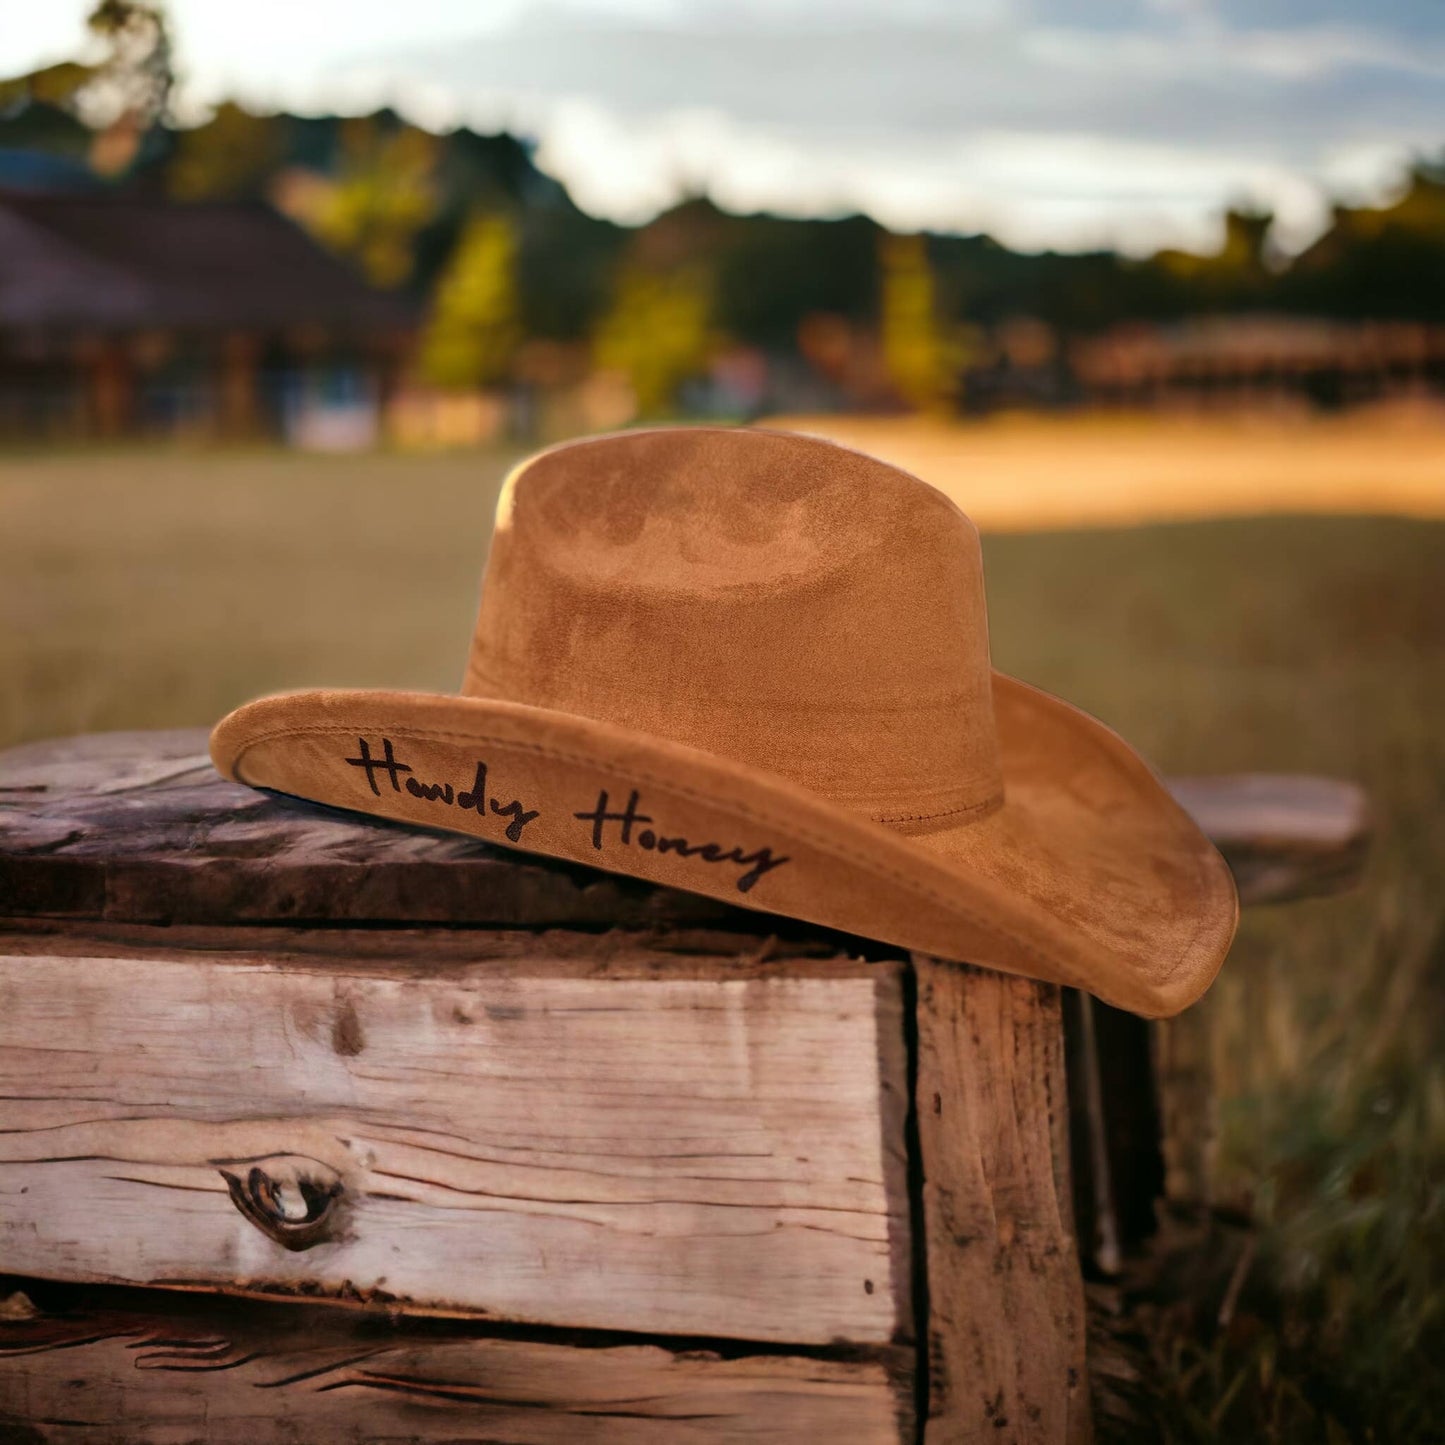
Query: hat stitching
806	835
989	805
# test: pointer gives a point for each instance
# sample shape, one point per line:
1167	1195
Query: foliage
381	195
54	85
774	272
921	358
1235	276
231	157
565	267
658	332
474	332
1384	261
137	75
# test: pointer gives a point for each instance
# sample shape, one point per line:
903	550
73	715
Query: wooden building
125	315
1234	361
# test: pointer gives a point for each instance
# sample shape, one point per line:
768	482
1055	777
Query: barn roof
122	262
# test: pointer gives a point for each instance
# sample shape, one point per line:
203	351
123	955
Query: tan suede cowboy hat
755	665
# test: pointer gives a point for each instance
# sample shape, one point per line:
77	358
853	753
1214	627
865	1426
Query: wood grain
581	1134
1006	1321
266	1375
139	827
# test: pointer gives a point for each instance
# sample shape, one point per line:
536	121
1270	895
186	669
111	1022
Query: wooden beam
244	1374
570	1130
138	827
1006	1323
1284	835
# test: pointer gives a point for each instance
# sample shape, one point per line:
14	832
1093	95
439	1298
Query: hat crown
771	598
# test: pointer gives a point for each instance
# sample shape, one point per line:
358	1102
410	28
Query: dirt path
1020	474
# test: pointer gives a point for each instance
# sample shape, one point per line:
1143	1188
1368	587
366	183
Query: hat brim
1089	874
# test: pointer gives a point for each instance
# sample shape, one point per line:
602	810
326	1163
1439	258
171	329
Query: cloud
1058	122
1032	190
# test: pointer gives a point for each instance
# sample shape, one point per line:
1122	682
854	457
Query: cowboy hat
754	665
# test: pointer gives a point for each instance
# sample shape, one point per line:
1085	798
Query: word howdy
475	797
761	859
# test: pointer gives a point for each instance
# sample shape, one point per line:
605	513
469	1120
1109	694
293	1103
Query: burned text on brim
634	828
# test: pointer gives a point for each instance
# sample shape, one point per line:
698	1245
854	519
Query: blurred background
1155	289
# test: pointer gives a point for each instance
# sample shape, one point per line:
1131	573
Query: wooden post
238	394
111	381
1006	1323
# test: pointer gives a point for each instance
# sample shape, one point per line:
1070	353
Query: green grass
1294	645
159	589
149	589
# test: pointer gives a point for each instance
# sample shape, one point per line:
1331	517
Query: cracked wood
589	1134
1006	1325
135	1372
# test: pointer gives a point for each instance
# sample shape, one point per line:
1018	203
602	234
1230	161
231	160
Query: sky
1048	123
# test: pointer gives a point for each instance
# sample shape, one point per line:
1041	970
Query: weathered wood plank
1284	836
139	827
1006	1321
148	1374
576	1132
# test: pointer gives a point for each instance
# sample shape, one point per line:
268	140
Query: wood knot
291	1199
347	1037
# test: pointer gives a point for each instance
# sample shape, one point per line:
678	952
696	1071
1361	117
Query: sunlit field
160	588
1027	472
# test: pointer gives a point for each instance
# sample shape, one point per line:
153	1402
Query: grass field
150	589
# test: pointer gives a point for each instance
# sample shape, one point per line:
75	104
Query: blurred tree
37	118
133	82
54	85
921	358
1379	262
233	156
473	334
977	278
381	196
565	269
564	259
1236	277
113	104
658	332
773	274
